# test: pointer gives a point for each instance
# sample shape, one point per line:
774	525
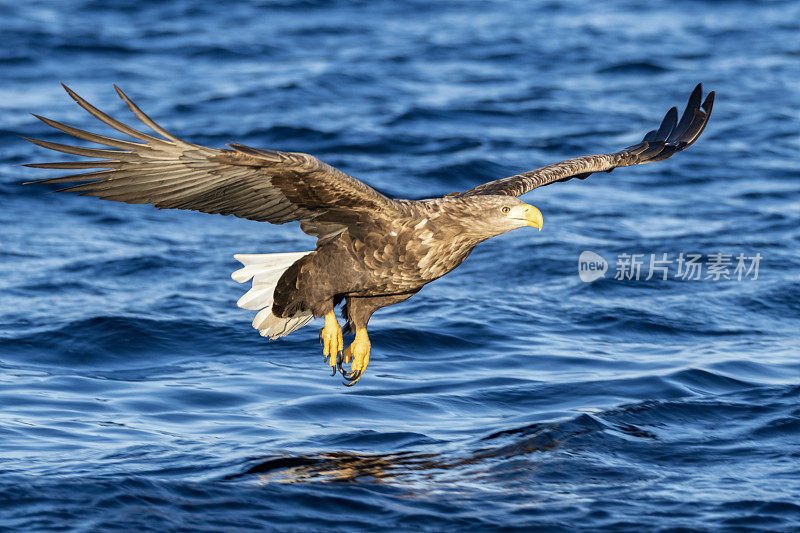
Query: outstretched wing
169	173
672	136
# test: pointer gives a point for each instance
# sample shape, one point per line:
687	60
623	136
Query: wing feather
672	136
91	137
170	173
117	125
74	165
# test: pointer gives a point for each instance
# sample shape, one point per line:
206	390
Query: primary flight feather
371	251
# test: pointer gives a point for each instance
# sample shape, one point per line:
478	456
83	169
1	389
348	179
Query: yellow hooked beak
533	216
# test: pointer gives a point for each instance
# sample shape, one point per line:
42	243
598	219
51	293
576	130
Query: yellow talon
358	353
331	337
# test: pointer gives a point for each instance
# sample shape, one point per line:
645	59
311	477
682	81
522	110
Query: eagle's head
487	216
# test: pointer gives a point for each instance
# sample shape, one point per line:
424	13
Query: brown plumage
372	251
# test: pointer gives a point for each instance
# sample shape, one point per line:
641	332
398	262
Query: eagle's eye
506	209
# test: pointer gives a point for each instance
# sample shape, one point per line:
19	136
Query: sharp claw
334	371
353	378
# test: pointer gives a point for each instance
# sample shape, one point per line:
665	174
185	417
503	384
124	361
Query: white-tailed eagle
371	251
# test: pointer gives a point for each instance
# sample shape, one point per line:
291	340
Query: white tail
266	270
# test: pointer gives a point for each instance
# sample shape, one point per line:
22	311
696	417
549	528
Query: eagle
371	251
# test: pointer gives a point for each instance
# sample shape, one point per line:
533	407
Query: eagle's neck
465	217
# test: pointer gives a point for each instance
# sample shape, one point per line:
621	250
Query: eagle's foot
331	339
357	354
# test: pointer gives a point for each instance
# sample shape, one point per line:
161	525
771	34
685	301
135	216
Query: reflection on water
402	468
341	467
494	456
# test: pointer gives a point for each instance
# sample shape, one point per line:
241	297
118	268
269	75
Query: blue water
134	395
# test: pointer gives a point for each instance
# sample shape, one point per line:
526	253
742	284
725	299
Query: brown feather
261	185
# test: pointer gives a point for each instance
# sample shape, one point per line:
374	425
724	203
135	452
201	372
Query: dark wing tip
668	124
650	136
700	122
709	103
672	137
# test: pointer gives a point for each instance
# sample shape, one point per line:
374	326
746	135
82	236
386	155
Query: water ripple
508	395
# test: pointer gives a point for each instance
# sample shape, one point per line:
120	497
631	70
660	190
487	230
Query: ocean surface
510	394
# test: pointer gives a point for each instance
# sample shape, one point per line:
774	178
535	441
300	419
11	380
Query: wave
113	339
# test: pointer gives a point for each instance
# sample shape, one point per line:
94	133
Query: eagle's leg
331	338
358	311
357	354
